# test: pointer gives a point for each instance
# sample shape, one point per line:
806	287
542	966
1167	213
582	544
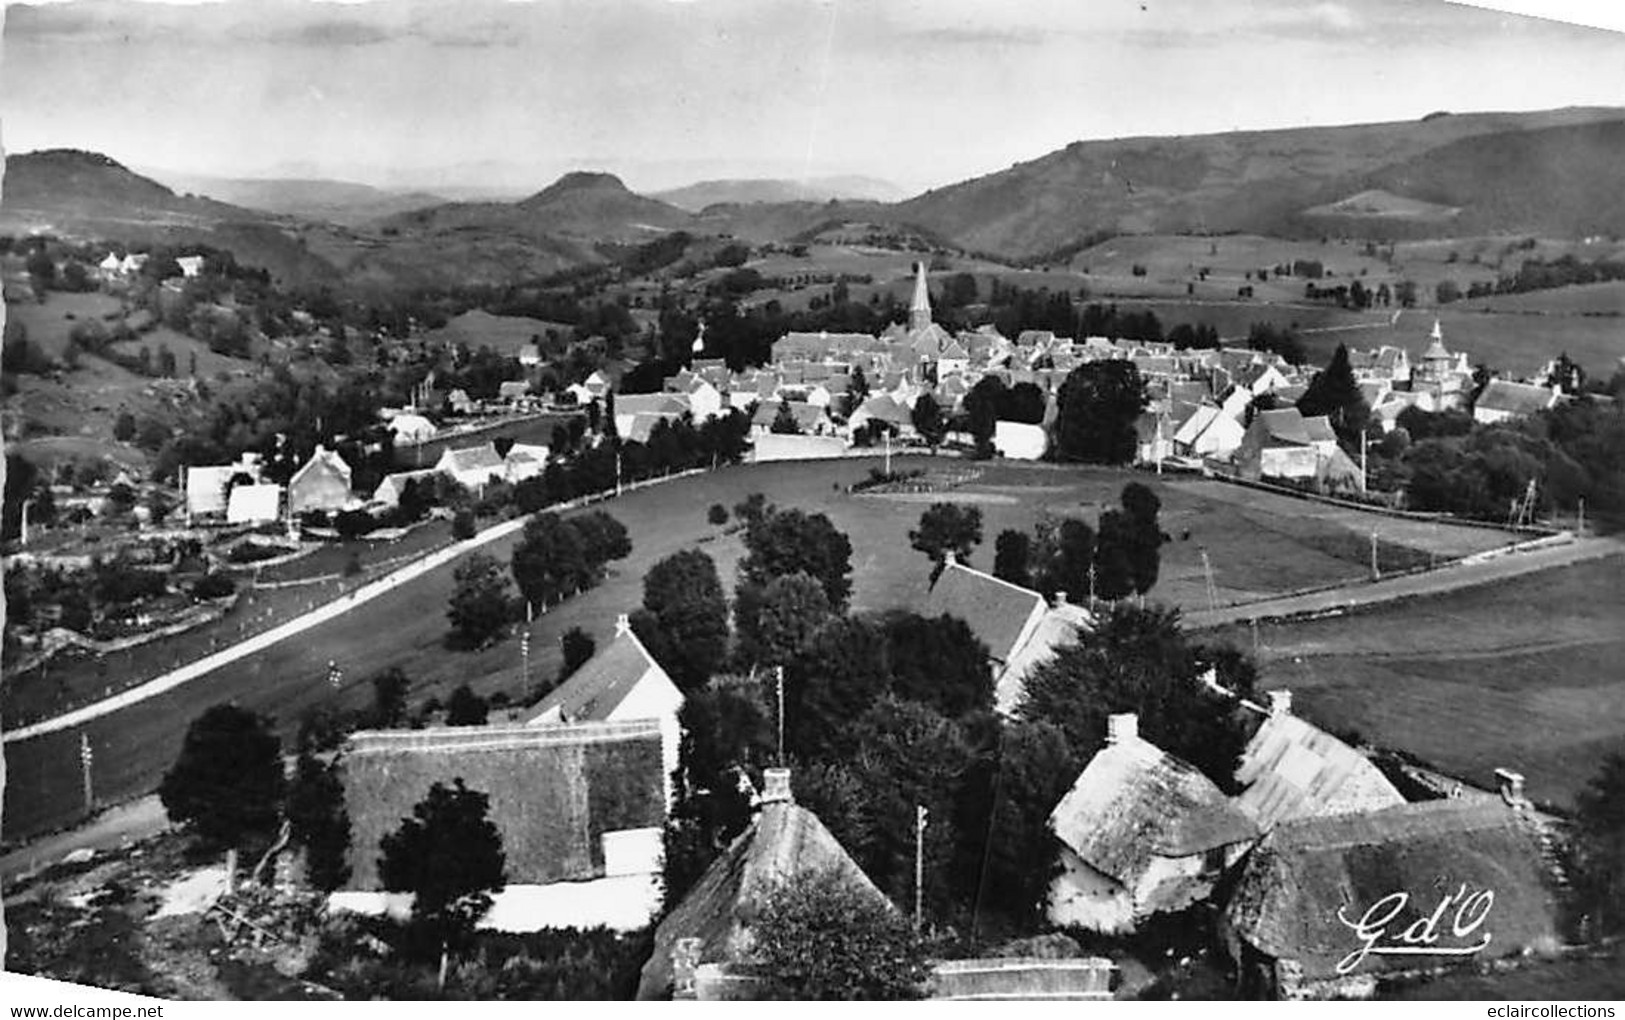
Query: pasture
1258	544
49	322
1522	675
210	365
504	334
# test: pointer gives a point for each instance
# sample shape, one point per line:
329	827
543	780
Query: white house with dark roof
1141	833
1018	627
622	682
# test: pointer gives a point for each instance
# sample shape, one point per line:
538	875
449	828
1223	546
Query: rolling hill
73	193
342	202
583	205
1503	169
755	191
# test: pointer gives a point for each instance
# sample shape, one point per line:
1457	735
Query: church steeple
919	310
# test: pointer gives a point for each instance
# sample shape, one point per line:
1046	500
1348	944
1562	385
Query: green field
49	323
209	364
1604	299
1258	544
1522	675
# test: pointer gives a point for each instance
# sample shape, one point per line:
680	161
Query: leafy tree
124	427
227	783
1012	557
550	562
1128	553
982	405
1035	769
1136	660
577	646
1114	556
1099	404
449	856
685	594
938	662
480	605
784	421
462	525
465	708
1335	393
774	624
389	698
604	537
1063	555
784	542
840	673
947	528
1597	854
318	821
819	938
717	515
929	420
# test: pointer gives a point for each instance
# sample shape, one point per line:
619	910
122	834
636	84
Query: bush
822	938
462	526
718	514
214	585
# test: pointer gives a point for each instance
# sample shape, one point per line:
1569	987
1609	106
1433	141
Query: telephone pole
1207	572
87	757
524	649
919	864
779	677
1376	572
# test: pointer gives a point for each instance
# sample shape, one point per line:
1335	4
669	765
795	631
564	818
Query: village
586	784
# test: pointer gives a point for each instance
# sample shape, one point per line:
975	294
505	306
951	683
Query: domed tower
1436	360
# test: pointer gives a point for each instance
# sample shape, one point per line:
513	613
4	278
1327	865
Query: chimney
1512	788
623	625
1122	727
1280	703
949	559
776	787
1060	598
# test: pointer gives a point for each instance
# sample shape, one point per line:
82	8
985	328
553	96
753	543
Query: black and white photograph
1047	500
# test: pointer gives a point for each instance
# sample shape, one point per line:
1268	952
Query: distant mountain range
760	191
1558	173
342	202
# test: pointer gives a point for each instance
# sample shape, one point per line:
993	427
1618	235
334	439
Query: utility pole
1212	590
22	535
888	453
919	864
617	472
779	674
1364	442
86	759
524	650
1580	522
1376	572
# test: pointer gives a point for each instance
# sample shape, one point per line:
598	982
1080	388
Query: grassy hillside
1522	675
1262	181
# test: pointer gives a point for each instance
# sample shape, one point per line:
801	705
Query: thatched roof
783	842
555	790
1303	874
1000	614
1291	769
1135	802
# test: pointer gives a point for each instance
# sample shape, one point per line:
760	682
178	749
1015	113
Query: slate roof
1285	425
1520	399
598	687
1319	429
999	613
474	458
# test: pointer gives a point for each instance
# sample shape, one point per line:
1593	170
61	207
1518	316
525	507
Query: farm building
323	483
1142	833
621	683
811	419
884	407
1503	400
1291	769
513	391
1020	441
254	504
712	923
524	461
1323	904
1277	445
207	486
579	807
769	446
191	265
390	489
1018	627
1208	432
472	467
411	428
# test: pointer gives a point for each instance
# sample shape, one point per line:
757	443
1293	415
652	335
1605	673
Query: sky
920	93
